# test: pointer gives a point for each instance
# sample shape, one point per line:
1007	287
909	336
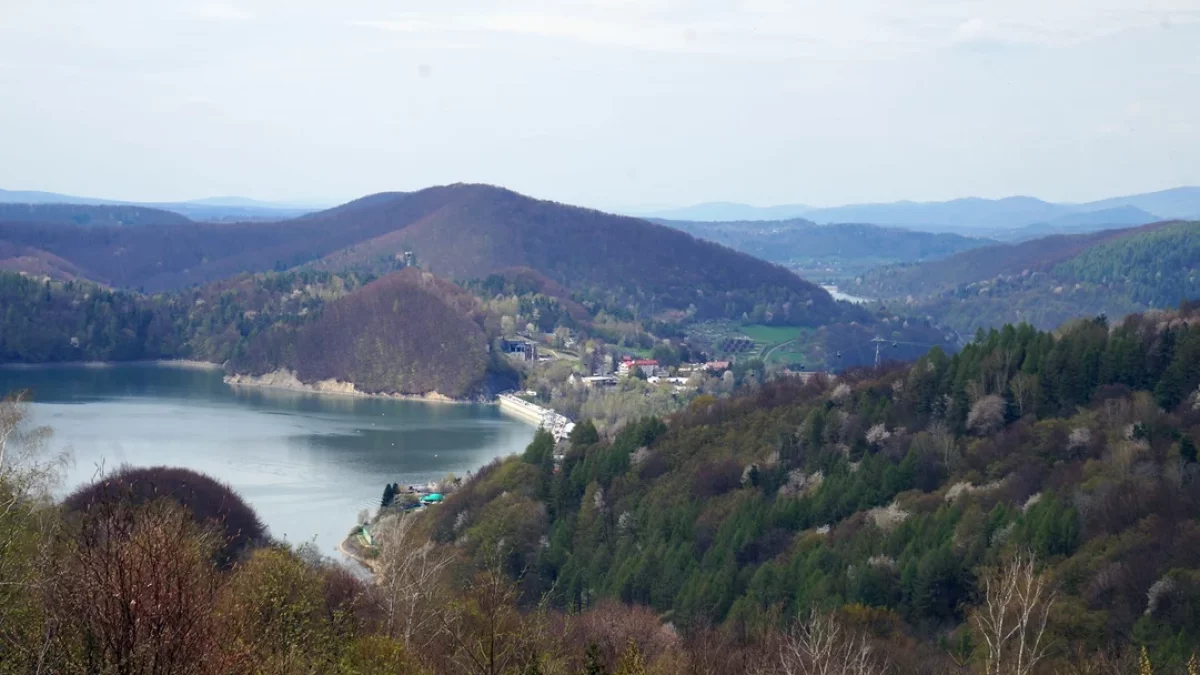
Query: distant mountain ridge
89	214
803	244
982	216
727	211
219	209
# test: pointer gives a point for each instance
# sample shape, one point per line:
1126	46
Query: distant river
838	295
307	463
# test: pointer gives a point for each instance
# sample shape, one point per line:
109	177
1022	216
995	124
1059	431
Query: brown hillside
28	260
407	333
460	231
480	230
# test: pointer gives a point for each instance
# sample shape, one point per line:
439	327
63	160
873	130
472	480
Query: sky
610	103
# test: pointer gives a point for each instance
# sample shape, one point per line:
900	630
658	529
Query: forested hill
406	333
799	240
89	215
891	494
478	230
1046	281
460	231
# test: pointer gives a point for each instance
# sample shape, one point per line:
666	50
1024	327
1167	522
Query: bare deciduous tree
28	525
942	440
821	645
487	634
409	573
1012	618
1024	387
139	587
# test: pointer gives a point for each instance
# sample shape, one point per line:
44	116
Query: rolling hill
1047	281
988	217
847	248
1113	218
407	333
92	215
460	232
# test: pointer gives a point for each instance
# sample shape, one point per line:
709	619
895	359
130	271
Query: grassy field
770	335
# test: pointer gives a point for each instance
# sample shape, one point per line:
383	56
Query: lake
308	463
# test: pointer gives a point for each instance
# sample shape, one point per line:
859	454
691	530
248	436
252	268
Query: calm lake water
307	463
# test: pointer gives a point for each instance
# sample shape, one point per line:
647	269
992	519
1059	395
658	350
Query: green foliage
1048	281
722	515
401	334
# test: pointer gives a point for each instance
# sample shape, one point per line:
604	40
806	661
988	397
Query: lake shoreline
282	380
306	463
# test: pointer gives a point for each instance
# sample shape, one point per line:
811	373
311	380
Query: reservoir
307	463
838	295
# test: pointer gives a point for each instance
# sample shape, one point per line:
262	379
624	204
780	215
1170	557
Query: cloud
792	28
219	12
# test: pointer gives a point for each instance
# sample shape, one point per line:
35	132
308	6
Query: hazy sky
611	103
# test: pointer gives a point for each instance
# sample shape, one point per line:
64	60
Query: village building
649	367
524	350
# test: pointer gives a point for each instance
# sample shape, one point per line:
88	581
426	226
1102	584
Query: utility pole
878	343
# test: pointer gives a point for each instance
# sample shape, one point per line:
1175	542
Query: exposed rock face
286	379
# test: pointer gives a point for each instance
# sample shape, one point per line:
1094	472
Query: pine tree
593	660
1187	449
389	496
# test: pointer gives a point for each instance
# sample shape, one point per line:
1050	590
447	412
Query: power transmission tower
878	343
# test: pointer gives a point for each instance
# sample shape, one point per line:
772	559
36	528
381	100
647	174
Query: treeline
899	492
52	321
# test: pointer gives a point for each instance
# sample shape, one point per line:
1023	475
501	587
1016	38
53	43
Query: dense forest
1028	505
54	321
1047	281
893	491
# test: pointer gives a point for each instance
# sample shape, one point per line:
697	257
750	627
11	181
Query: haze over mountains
210	208
978	216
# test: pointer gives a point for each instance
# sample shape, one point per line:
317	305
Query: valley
743	419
